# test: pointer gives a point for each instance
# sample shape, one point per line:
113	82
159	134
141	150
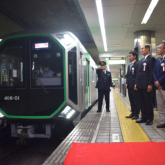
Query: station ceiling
123	18
54	14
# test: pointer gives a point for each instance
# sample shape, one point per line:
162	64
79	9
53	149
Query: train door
13	80
96	82
72	75
46	76
87	83
82	81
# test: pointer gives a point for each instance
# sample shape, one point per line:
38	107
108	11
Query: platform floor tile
155	134
132	132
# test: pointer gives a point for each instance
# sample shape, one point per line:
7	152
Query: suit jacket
104	80
145	78
131	78
158	73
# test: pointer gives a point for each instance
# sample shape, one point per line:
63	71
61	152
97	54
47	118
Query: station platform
108	127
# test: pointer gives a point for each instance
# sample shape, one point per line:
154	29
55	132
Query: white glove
41	70
98	67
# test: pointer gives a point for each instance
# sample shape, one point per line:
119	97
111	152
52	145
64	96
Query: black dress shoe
98	110
149	122
107	110
135	117
141	121
130	116
161	126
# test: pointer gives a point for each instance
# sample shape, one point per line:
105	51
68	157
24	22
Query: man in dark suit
132	73
103	84
159	79
144	85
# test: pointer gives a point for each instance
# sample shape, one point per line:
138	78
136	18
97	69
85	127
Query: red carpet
147	153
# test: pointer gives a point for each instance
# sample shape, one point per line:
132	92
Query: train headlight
70	114
1	40
67	112
1	115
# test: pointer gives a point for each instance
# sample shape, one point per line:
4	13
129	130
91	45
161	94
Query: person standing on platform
132	72
159	79
144	85
103	84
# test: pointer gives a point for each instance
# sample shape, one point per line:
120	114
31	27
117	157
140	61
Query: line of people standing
142	76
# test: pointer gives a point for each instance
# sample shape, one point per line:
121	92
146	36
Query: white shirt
146	56
132	62
104	71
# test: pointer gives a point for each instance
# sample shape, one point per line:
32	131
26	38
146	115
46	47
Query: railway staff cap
102	63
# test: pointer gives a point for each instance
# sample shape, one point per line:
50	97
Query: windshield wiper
44	89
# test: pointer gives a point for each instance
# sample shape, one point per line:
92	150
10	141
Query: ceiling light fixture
117	58
114	62
101	21
149	11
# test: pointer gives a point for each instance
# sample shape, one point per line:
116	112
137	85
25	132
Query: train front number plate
11	98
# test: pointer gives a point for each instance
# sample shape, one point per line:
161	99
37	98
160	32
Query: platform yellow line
132	132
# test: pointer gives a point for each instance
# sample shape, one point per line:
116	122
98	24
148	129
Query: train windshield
12	55
46	63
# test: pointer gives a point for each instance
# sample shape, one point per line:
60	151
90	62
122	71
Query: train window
46	64
72	74
12	55
93	75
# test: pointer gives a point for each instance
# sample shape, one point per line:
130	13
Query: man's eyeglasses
159	48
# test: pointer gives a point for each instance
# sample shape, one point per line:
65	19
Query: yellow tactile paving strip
132	132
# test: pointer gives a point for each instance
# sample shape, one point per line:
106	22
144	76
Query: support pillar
144	37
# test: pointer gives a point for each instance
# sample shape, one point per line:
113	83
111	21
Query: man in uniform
103	84
159	79
132	72
144	85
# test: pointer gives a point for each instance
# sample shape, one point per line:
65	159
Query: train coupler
29	131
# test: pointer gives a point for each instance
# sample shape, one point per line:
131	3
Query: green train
45	78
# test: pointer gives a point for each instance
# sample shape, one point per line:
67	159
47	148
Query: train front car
38	82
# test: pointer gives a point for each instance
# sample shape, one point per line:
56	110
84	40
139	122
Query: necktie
143	60
161	59
130	66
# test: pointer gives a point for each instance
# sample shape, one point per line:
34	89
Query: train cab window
72	74
46	64
12	55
